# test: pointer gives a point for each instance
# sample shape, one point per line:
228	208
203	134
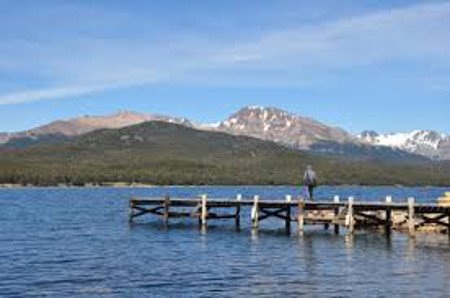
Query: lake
78	242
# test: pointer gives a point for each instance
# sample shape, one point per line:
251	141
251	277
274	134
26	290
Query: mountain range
162	153
266	123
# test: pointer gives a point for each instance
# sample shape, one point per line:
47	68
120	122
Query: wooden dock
350	214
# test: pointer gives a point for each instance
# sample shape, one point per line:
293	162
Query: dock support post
131	211
350	218
388	222
166	205
448	225
288	213
204	213
255	212
411	222
238	210
336	216
301	214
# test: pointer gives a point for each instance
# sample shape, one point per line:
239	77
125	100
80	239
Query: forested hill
164	153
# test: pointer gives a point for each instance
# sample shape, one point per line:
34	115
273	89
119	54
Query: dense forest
166	154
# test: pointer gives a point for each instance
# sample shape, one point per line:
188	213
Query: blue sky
355	64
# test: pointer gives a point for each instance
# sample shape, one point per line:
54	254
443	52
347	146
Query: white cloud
409	33
415	36
34	95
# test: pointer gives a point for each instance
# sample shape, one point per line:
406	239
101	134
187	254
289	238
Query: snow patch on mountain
423	142
206	126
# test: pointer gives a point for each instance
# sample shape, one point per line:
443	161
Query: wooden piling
288	213
411	220
350	215
336	216
204	211
301	214
238	210
166	206
448	224
131	210
255	212
388	219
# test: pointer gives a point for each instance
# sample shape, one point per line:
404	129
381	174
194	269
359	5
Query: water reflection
203	230
254	235
79	243
349	241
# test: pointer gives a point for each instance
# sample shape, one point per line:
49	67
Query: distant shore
144	185
62	185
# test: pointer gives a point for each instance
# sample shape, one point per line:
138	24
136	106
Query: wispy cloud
416	34
62	92
412	40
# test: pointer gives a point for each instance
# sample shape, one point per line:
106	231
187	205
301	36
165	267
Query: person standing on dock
310	181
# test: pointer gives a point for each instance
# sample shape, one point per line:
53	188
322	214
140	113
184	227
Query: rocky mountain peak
369	133
258	118
280	126
368	136
432	138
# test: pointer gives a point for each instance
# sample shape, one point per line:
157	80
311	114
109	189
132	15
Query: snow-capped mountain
282	127
423	142
265	123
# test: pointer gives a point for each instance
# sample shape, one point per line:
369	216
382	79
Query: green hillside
163	153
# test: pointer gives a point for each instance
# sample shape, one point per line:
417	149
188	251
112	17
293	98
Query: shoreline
143	185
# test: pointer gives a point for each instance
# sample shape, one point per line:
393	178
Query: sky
378	65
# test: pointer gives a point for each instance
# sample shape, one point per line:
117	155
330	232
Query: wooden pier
350	213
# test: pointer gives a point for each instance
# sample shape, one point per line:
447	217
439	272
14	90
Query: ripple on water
77	242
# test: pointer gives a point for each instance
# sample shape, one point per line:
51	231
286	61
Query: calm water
78	242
